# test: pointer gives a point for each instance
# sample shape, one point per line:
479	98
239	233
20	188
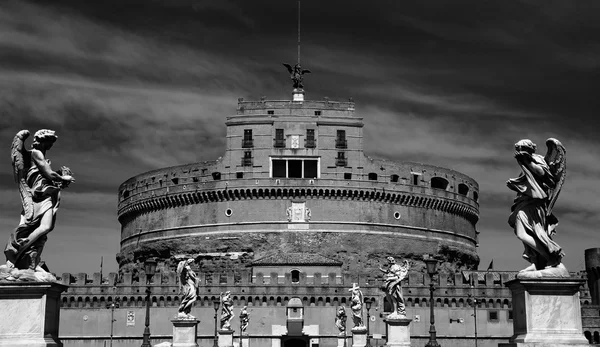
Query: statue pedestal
225	338
244	341
30	313
359	337
184	332
398	331
341	341
298	95
546	312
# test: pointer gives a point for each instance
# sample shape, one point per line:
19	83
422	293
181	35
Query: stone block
359	337
225	338
398	332
30	314
184	332
546	312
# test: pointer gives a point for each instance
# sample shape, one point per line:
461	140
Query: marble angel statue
356	305
393	277
340	320
244	319
188	287
39	187
226	310
537	189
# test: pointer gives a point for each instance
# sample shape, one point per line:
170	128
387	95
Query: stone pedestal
225	338
184	332
244	341
298	95
398	332
341	341
359	337
546	312
30	313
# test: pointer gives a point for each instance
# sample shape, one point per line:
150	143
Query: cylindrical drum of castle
294	179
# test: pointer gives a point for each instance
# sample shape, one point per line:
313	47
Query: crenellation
97	279
489	280
127	279
317	279
81	279
274	278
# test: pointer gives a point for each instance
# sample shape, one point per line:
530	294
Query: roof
306	259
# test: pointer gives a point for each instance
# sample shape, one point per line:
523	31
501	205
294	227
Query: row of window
309	141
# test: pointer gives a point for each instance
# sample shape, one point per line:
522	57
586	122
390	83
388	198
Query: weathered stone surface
359	337
184	332
225	338
398	332
30	314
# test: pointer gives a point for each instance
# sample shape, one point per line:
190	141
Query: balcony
247	143
279	143
341	144
247	161
310	143
341	162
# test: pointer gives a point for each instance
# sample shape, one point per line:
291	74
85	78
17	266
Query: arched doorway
295	342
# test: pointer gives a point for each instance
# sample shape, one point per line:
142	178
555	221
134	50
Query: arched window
439	183
295	276
372	176
463	189
394	178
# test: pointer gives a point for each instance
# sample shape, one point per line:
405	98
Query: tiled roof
296	259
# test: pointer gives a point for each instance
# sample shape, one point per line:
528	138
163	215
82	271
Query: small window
309	141
463	189
347	175
475	196
510	314
492	315
216	176
239	175
295	276
340	140
270	112
415	179
247	141
394	178
175	180
439	183
372	176
317	113
279	138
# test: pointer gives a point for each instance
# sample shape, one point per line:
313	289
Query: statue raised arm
39	187
188	286
537	189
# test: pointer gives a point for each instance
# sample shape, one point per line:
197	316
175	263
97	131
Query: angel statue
356	305
393	277
39	187
226	311
244	319
296	73
340	320
188	286
537	189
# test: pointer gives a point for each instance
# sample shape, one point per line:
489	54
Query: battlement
263	105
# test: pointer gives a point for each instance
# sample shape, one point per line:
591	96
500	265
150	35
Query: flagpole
298	32
101	261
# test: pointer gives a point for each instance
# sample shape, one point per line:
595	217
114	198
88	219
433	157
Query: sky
135	85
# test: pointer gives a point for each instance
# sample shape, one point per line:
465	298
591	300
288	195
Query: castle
295	209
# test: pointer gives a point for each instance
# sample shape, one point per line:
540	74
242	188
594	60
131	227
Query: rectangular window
295	168
347	175
310	169
341	159
279	138
239	175
247	142
310	142
493	315
340	139
510	314
415	179
270	112
247	159
279	168
317	113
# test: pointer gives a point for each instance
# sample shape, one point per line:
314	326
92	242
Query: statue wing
21	161
556	159
305	71
289	67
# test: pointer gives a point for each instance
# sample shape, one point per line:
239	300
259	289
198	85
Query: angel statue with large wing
534	224
296	73
188	286
393	277
39	187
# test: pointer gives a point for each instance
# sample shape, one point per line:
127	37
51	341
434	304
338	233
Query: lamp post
475	303
150	268
368	304
431	270
112	307
216	304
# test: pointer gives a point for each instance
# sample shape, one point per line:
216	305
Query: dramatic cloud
135	85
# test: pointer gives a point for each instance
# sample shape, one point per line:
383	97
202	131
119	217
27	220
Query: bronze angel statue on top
39	187
537	190
296	73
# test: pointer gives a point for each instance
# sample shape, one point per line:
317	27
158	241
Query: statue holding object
39	187
188	286
393	277
340	320
296	74
537	189
356	305
226	310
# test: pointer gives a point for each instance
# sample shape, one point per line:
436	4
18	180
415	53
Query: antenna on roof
298	31
297	71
